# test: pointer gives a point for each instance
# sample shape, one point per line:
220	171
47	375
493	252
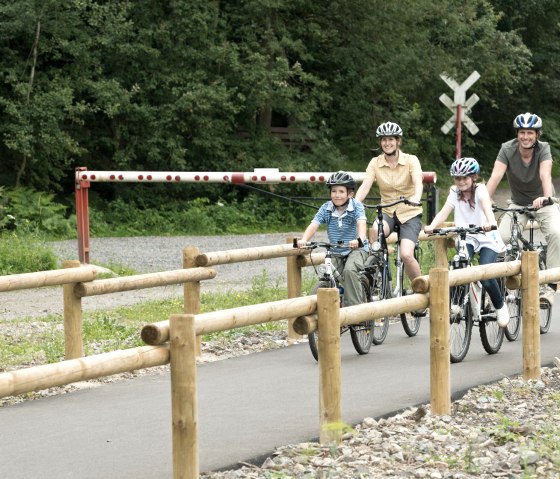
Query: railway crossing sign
459	106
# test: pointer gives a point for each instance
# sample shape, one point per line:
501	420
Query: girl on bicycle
471	202
345	218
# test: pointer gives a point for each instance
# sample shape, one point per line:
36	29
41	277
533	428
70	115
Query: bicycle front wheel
460	329
512	299
491	335
410	323
545	311
374	292
313	337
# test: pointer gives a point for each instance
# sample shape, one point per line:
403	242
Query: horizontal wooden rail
65	372
56	277
206	323
366	312
247	254
421	284
142	281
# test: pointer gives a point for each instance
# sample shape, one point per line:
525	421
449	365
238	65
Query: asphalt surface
247	406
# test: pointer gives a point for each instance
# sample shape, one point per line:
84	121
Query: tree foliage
195	85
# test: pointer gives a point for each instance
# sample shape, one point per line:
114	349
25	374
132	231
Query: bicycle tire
461	323
491	335
362	334
545	311
410	323
512	299
313	337
374	292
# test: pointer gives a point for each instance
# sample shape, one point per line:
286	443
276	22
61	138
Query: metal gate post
82	215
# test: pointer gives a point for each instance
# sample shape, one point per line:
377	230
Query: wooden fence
175	340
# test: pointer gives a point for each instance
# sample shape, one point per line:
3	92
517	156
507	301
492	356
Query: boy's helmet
529	121
464	167
341	178
388	129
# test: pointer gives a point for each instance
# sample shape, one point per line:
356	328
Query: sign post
459	106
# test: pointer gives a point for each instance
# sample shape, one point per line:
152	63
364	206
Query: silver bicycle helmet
388	129
464	167
529	121
341	178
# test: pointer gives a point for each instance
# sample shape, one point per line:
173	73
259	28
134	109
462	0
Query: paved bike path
247	407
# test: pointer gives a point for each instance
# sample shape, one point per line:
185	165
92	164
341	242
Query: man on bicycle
527	163
346	223
397	174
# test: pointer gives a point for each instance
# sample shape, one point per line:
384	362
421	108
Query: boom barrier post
82	215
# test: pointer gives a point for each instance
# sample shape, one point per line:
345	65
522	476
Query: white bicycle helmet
529	121
388	129
464	167
341	178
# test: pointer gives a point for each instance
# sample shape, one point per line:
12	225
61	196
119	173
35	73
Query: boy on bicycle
345	218
471	203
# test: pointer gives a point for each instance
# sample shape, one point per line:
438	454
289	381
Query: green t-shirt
524	180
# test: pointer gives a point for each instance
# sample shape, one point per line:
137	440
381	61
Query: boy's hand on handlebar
301	243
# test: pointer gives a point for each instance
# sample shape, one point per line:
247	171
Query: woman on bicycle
471	202
346	222
397	174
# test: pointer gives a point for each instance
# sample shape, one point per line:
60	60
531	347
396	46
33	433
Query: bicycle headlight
322	269
376	246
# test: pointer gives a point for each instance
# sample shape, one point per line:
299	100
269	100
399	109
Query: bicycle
470	304
362	334
377	275
516	245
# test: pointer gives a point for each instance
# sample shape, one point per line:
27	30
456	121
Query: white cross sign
459	99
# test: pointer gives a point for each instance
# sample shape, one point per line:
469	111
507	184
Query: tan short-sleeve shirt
396	182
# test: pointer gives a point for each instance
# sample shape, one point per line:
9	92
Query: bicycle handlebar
459	230
402	199
523	209
326	245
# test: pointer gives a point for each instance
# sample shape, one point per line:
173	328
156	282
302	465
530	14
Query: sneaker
502	315
547	294
420	313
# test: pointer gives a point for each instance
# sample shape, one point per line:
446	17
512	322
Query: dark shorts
408	230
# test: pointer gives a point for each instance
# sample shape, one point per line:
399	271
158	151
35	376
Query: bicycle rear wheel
491	335
410	323
314	336
374	292
460	316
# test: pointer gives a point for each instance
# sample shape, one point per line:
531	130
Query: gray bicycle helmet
464	167
388	129
528	121
343	179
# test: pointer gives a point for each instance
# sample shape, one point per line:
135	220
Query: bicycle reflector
376	246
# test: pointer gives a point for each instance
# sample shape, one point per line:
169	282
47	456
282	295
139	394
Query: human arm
486	205
439	218
545	174
497	174
364	188
308	234
362	232
418	183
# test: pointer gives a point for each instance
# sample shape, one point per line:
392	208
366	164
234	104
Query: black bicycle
470	304
362	334
377	276
518	243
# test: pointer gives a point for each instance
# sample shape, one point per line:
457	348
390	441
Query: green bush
24	255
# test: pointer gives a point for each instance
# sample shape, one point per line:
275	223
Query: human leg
408	233
353	290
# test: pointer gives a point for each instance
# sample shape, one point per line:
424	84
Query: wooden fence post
531	315
184	407
294	288
440	252
73	340
330	404
191	289
440	381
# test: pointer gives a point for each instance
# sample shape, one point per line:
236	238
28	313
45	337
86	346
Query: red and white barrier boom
259	176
